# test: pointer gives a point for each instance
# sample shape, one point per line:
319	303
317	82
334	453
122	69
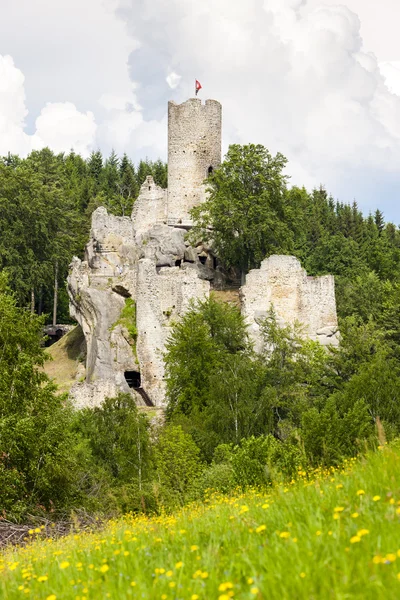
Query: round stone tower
194	151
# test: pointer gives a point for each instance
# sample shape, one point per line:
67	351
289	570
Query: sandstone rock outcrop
146	270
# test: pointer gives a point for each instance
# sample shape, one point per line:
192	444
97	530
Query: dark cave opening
132	378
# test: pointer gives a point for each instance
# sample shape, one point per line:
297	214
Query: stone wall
150	207
194	146
283	284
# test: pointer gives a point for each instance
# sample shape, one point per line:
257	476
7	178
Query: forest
46	202
233	418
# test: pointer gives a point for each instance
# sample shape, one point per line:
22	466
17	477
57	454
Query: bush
178	466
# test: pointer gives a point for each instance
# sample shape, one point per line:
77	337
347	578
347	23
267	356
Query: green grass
285	545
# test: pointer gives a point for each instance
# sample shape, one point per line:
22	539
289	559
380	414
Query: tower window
210	171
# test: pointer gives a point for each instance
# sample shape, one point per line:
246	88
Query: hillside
65	358
329	535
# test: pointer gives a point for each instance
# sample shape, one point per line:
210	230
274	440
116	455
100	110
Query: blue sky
314	80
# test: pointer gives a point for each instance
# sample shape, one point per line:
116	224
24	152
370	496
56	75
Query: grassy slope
65	353
287	545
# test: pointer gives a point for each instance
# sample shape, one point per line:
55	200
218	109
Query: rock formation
139	274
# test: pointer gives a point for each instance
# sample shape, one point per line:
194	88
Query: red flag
197	86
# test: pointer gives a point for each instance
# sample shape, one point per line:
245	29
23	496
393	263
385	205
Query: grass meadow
326	535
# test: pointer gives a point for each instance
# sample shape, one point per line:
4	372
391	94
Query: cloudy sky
316	80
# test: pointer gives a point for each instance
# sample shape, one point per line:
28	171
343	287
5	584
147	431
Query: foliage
38	465
246	208
46	201
178	465
120	454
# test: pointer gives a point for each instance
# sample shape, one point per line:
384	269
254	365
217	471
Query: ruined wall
163	295
150	207
281	282
194	145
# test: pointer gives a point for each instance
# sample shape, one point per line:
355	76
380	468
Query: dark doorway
178	263
210	171
203	259
133	379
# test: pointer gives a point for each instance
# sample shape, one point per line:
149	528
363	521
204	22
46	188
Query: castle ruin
143	267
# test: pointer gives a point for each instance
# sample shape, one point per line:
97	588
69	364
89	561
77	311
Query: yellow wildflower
390	557
172	584
261	528
194	548
354	515
376	560
254	591
179	565
104	568
51	597
338	509
376	498
194	597
284	534
64	564
318	532
169	573
302	575
204	575
42	578
362	532
250	580
225	586
355	539
360	492
133	583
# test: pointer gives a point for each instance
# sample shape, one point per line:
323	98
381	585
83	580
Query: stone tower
194	151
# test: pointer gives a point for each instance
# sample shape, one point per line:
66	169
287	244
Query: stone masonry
194	151
283	284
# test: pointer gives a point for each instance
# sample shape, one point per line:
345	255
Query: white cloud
12	108
295	75
391	73
173	80
62	127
